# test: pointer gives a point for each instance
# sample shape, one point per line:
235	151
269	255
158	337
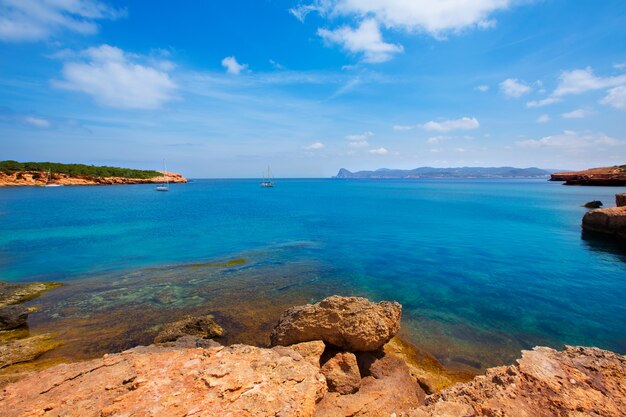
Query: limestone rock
27	349
620	200
350	323
202	327
342	373
167	381
387	388
608	221
13	316
310	351
575	382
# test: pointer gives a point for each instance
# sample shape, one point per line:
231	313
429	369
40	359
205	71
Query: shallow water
483	268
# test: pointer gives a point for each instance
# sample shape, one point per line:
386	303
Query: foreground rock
350	323
27	349
13	316
342	373
165	381
608	221
575	382
203	327
609	176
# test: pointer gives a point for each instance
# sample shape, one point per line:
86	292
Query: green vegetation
76	169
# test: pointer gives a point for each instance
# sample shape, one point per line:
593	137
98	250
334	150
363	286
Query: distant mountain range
461	172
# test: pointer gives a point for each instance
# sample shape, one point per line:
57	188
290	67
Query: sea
482	267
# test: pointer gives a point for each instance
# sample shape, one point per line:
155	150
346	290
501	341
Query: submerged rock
13	316
202	327
342	373
166	381
16	293
575	382
350	323
593	204
27	349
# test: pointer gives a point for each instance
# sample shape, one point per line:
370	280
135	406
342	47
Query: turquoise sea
483	268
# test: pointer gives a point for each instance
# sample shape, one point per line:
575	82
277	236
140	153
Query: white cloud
576	114
232	66
464	123
361	136
544	118
583	80
616	97
459	150
359	144
366	40
316	145
572	141
544	102
403	127
34	20
620	66
434	17
482	88
379	151
515	88
113	78
37	122
435	140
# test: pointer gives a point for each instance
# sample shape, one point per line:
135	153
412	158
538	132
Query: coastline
40	179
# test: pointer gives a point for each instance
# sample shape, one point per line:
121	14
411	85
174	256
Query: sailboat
48	183
164	186
267	183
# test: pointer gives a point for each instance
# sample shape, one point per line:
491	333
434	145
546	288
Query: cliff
461	172
608	176
39	178
315	378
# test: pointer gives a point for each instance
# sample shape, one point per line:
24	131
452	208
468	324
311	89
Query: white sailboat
267	182
48	183
164	186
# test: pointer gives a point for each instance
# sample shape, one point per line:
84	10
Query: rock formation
350	323
22	178
593	204
612	176
203	327
607	221
342	373
575	382
13	316
620	200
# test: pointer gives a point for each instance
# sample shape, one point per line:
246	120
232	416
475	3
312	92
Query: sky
222	89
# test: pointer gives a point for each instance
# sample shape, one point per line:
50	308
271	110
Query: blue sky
222	89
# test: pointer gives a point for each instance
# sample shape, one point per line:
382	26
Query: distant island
461	172
607	176
13	173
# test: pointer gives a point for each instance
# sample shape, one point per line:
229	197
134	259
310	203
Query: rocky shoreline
608	176
40	179
337	357
608	221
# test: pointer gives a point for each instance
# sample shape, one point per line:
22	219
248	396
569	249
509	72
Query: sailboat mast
167	181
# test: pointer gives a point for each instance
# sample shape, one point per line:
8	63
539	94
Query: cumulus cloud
403	127
572	141
114	78
436	18
616	98
576	114
361	136
35	20
379	151
465	123
315	146
232	66
512	87
37	122
544	102
544	118
359	144
582	80
483	88
436	140
366	40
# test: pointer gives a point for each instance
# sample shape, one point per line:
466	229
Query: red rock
615	176
342	373
608	221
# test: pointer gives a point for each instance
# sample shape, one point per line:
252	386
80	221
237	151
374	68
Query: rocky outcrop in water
609	176
203	327
593	204
607	221
349	323
620	200
16	293
23	178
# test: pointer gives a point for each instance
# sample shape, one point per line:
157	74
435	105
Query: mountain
461	172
